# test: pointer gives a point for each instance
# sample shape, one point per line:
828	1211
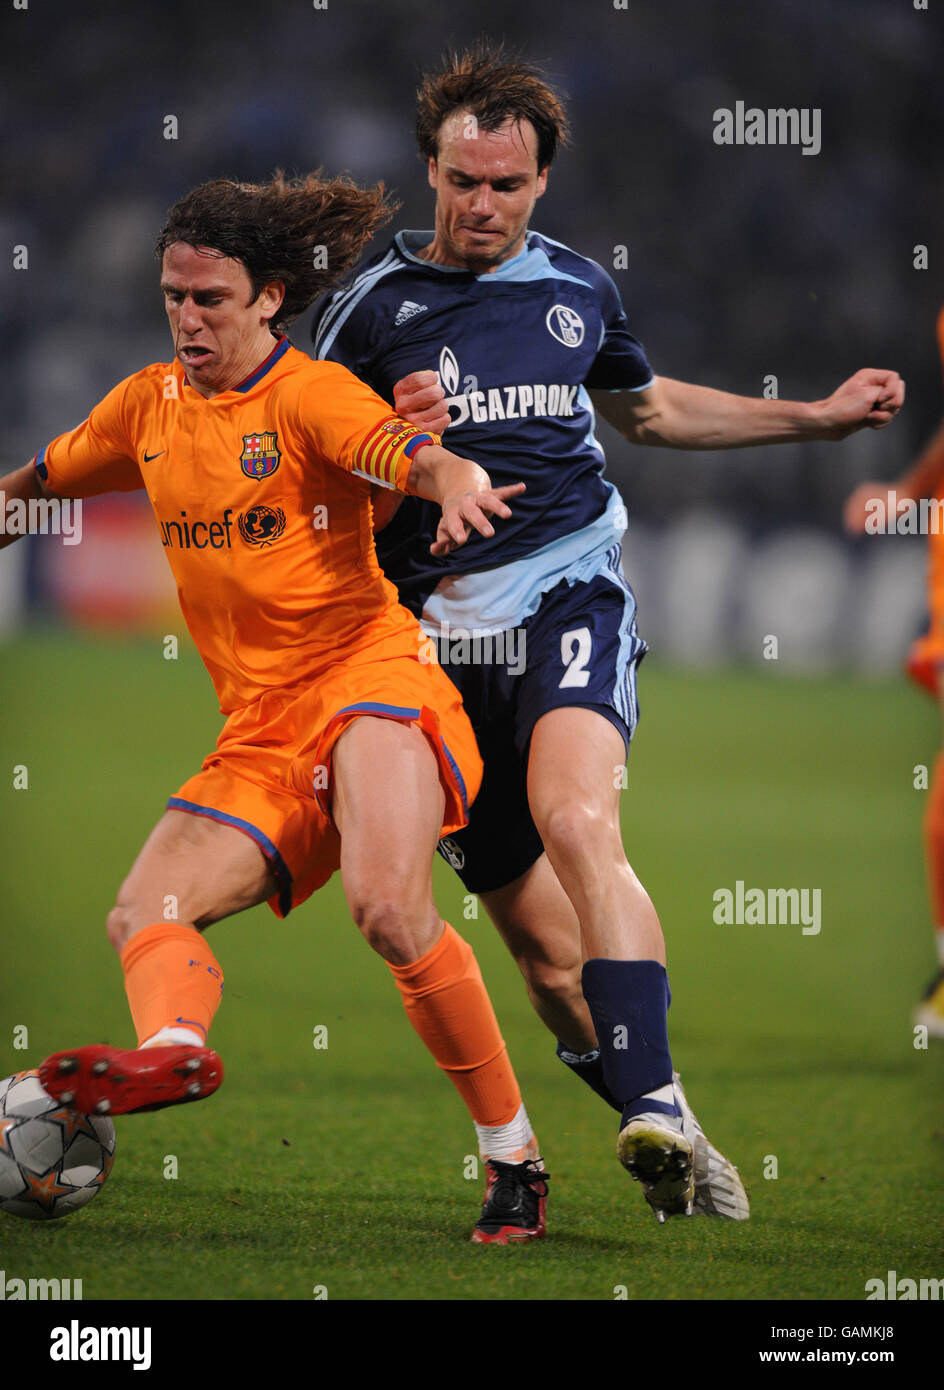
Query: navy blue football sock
589	1068
628	1001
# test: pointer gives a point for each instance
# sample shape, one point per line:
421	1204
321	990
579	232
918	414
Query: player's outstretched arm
678	415
23	485
925	478
463	490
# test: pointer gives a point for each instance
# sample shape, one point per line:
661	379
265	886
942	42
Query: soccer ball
52	1160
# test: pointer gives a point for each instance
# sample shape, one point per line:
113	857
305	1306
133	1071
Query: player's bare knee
119	926
126	919
389	925
386	929
575	829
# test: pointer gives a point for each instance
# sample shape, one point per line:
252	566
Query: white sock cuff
171	1037
505	1141
665	1094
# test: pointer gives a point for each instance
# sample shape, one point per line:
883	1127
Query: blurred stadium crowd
742	262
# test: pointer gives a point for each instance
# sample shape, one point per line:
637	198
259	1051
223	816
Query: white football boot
656	1150
718	1187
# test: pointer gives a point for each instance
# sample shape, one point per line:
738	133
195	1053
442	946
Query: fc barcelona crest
260	456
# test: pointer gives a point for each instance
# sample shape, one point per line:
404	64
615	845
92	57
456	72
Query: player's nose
190	319
482	201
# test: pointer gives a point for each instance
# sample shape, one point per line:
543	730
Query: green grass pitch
344	1167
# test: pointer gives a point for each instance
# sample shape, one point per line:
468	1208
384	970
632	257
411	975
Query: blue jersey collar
409	242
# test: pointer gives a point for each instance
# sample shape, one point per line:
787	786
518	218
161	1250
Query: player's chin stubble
481	261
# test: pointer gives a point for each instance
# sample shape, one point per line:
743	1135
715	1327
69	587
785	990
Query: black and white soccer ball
52	1160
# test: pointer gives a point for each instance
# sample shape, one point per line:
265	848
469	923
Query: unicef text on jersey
464	646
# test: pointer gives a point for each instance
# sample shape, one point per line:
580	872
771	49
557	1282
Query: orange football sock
172	979
934	848
447	1003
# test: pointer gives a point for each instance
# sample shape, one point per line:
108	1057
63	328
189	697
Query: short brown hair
306	232
495	87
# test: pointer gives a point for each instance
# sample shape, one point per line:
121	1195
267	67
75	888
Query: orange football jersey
262	510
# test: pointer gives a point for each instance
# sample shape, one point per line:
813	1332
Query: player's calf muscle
555	993
549	958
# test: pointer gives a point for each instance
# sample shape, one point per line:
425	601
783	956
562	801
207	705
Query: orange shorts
926	656
270	774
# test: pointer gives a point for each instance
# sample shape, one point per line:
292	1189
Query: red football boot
101	1080
515	1198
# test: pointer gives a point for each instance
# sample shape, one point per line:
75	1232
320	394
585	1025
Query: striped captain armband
385	453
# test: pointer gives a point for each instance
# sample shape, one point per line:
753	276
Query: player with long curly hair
344	743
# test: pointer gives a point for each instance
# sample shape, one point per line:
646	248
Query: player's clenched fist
871	397
419	398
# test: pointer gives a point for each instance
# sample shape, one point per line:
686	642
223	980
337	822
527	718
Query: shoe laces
510	1176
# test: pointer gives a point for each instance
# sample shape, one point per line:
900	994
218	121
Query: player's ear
541	183
271	297
432	172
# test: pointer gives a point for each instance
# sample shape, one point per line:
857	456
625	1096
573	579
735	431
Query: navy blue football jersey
516	351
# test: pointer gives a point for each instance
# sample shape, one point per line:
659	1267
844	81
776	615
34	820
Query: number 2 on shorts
575	653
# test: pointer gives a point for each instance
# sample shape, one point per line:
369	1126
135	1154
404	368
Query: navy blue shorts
580	648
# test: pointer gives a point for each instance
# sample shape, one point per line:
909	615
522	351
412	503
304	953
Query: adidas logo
407	310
